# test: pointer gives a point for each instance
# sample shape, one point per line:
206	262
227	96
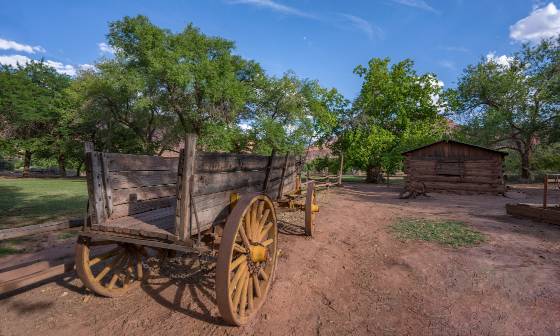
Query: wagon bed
137	195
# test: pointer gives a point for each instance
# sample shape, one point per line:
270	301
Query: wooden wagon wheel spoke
139	268
262	220
267	242
244	237
239	248
250	297
264	231
257	285
245	268
238	261
263	275
109	267
260	209
237	277
104	256
113	272
254	222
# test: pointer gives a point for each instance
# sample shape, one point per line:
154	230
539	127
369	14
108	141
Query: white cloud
13	45
105	48
502	60
67	69
275	6
420	4
14	60
543	22
370	30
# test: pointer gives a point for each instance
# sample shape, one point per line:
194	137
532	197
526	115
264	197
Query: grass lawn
445	232
36	200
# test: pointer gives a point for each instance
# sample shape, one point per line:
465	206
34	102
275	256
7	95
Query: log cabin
454	166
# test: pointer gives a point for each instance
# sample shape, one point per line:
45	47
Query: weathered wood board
456	167
534	211
138	195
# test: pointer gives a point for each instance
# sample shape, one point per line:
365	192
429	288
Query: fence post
341	168
545	194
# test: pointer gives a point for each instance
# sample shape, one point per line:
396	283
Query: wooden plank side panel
135	179
122	196
128	209
130	162
205	162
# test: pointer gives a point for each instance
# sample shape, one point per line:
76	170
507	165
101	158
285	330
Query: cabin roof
458	143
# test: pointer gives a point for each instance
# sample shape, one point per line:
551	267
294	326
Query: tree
187	75
289	114
395	110
32	103
513	105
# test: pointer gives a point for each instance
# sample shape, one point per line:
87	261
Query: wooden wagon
214	203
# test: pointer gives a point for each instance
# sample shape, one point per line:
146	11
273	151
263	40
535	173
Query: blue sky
321	40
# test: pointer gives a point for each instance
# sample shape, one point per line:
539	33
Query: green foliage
326	163
546	158
395	111
35	118
513	106
278	120
194	77
445	232
221	137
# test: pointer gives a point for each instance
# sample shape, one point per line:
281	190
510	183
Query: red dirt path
352	278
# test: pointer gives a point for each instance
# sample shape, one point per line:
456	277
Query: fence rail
36	267
29	230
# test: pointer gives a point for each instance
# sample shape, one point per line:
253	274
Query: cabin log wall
456	167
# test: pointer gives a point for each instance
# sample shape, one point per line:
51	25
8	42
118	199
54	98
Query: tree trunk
525	164
62	165
79	168
26	163
374	174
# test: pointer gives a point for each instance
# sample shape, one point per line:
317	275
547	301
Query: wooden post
281	188
187	172
545	194
94	177
268	170
388	176
341	169
88	147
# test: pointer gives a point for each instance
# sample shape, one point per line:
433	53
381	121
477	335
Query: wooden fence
21	271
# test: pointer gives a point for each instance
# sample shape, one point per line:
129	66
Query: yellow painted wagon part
258	253
315	207
233	198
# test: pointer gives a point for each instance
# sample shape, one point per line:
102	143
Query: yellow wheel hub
315	208
258	253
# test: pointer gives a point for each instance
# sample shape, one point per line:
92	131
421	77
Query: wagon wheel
311	207
247	258
113	272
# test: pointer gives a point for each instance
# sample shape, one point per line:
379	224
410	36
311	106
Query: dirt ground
352	278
